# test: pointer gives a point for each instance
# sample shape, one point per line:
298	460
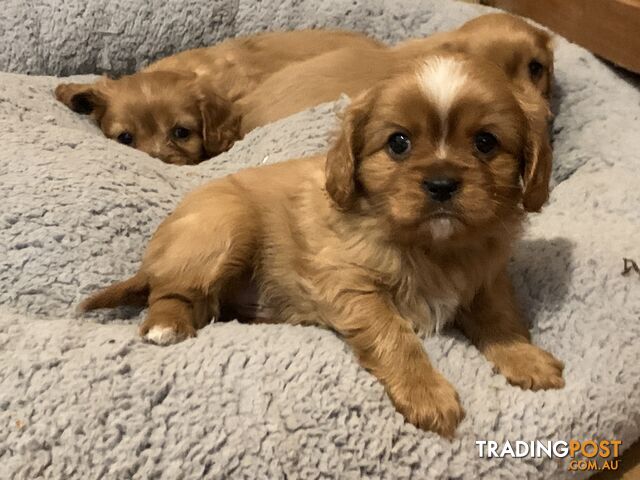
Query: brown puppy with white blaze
405	225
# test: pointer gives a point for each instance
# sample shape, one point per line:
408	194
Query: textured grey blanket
84	398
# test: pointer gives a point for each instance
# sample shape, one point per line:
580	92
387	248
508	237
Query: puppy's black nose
441	189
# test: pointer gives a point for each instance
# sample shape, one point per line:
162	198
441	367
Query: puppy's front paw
527	366
166	332
430	403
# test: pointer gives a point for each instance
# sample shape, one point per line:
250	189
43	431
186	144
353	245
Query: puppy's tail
133	291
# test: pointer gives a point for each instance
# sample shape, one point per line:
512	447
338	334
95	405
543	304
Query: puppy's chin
415	226
175	159
442	228
181	160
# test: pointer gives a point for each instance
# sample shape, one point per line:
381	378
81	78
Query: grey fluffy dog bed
84	398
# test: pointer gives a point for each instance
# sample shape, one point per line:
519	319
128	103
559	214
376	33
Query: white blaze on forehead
442	79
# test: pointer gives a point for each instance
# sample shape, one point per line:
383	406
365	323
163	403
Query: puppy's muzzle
441	189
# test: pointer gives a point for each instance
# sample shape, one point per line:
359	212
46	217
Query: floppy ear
220	122
340	169
84	98
537	155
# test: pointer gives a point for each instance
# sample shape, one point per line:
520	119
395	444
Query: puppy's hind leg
190	260
169	320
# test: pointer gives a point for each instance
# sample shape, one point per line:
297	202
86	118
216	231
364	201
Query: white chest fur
430	314
428	296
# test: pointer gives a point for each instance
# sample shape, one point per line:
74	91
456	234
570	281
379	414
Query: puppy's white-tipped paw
162	336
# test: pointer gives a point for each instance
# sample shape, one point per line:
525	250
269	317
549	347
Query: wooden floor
608	28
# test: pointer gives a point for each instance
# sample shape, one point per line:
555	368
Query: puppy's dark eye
125	138
535	69
181	133
398	145
485	142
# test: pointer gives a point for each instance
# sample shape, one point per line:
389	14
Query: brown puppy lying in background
407	224
521	50
179	109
